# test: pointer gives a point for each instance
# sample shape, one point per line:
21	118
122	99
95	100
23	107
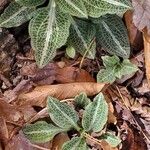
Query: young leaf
82	34
112	35
62	114
73	7
76	143
15	15
106	75
82	100
111	139
49	30
41	131
115	69
95	114
30	3
125	68
110	61
70	51
97	8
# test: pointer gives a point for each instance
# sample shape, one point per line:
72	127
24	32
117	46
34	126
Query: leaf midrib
49	30
68	118
113	37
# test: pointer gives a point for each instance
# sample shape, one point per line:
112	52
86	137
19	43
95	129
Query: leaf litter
24	89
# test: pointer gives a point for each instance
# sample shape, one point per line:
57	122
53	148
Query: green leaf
49	30
41	131
82	100
125	68
73	7
15	15
76	143
82	34
106	75
95	114
110	61
115	69
30	3
70	51
112	35
111	139
97	8
62	114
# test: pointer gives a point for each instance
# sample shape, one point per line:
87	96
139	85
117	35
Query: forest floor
24	88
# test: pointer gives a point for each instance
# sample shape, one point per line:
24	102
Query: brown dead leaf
62	91
59	140
141	17
131	140
147	55
135	36
73	74
9	112
3	131
106	146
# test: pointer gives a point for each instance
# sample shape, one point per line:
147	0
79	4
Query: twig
39	147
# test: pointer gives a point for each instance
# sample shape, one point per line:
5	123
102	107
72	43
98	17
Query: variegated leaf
30	3
82	35
15	15
73	7
76	143
95	114
112	35
82	100
49	30
41	131
111	139
106	75
62	114
97	8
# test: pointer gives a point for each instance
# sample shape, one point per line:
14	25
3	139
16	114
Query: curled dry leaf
106	146
135	36
141	17
59	140
61	91
147	54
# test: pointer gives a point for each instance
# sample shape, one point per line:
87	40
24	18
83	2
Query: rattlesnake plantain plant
65	118
80	24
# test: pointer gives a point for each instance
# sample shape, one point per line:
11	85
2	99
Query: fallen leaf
9	112
73	74
135	36
141	17
59	140
61	91
147	55
106	146
3	131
